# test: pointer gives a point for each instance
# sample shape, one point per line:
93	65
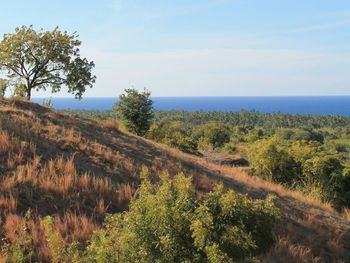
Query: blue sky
203	47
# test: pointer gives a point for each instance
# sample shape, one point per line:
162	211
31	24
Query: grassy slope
44	156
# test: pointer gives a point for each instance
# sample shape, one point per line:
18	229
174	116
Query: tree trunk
29	94
28	91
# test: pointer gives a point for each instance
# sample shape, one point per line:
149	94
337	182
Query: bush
3	87
329	174
214	133
167	224
174	134
271	160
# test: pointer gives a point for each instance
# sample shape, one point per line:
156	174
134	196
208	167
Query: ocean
320	105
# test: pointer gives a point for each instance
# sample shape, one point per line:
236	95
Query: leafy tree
135	110
43	59
166	224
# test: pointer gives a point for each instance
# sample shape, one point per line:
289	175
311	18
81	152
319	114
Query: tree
167	224
45	59
135	110
3	87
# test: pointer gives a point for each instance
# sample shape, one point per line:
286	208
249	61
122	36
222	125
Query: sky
202	47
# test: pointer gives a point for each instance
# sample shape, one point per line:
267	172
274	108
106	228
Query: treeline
255	118
252	118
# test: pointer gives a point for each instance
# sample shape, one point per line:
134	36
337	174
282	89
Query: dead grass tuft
110	124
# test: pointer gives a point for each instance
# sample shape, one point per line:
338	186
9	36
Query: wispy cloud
220	72
321	27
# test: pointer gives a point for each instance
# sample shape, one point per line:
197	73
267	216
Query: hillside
79	169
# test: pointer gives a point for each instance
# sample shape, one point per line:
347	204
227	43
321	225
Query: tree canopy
45	59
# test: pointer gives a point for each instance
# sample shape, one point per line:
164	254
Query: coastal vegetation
307	153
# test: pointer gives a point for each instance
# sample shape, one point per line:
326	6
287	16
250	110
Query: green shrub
329	174
215	133
174	134
167	224
3	87
273	161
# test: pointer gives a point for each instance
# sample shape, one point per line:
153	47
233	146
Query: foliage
3	87
280	147
327	173
166	224
61	250
135	110
214	133
43	59
48	103
20	250
269	159
174	134
19	90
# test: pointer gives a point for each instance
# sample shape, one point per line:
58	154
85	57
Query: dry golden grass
110	124
347	213
30	232
286	251
5	142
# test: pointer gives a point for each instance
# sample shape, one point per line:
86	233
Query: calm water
337	105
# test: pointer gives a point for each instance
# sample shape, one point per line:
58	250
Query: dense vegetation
307	157
247	118
308	153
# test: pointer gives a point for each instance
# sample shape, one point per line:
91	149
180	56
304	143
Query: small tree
3	87
43	59
135	110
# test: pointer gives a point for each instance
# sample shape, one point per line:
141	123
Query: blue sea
321	105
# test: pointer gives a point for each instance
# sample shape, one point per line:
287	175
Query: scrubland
77	170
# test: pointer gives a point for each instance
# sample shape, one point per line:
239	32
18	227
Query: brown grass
110	124
5	142
347	214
